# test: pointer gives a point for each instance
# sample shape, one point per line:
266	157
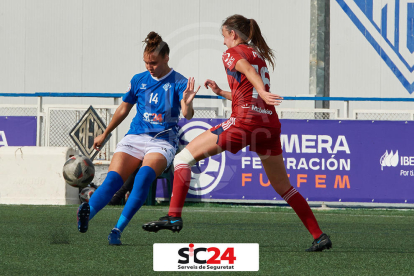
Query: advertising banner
342	161
18	131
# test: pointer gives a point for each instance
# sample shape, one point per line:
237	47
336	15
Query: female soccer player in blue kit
159	94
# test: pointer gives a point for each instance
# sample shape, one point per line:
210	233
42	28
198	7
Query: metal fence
18	110
56	121
379	115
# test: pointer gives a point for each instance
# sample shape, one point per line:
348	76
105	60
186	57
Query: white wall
357	70
96	46
23	179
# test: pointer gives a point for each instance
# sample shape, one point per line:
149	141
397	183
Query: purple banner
342	161
18	131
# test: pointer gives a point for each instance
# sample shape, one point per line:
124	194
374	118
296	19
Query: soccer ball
86	193
78	171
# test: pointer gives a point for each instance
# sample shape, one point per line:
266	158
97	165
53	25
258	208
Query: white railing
55	121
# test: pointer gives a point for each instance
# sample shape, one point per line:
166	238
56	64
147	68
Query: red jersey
247	106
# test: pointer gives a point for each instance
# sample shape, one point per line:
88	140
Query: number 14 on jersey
154	98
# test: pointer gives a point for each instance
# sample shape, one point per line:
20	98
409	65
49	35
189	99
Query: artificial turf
43	240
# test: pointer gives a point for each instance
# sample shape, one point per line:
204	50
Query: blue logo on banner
389	26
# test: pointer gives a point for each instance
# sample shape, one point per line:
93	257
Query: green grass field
43	240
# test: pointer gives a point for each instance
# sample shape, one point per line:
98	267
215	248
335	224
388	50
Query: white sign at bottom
206	257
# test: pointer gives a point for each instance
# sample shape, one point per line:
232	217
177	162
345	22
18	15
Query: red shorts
233	135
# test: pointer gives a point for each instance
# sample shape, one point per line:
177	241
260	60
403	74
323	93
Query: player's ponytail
249	31
154	44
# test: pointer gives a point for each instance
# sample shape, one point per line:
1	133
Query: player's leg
126	159
154	164
127	187
122	165
201	147
276	172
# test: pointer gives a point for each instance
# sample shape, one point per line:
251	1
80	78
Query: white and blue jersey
158	104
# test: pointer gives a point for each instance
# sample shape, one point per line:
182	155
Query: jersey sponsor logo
207	173
143	86
153	118
261	110
167	86
387	26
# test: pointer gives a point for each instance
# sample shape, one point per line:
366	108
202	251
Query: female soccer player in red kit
253	122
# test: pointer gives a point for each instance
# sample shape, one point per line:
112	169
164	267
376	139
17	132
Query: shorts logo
126	145
389	159
385	24
206	174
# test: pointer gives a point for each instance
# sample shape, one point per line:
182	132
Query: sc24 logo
228	255
152	117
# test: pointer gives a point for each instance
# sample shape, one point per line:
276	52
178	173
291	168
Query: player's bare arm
120	114
244	67
216	89
188	97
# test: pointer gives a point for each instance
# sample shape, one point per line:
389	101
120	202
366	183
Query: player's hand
270	99
98	141
213	86
189	93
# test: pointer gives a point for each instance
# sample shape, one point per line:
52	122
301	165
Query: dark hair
250	33
155	44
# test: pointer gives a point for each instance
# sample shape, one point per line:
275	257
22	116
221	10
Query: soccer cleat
83	217
321	243
170	223
114	237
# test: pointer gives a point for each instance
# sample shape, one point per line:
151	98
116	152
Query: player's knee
184	157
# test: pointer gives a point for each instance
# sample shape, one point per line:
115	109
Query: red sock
182	178
304	212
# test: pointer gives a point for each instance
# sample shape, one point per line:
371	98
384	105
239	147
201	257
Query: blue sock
139	193
113	182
